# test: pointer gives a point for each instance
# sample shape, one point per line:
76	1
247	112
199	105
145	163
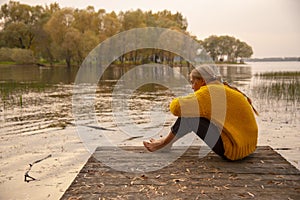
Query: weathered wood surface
263	175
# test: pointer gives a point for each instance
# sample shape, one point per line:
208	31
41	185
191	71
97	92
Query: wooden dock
263	175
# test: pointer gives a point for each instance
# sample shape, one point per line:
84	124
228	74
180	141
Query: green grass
7	63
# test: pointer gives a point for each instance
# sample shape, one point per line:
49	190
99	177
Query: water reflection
64	75
45	94
30	73
19	80
235	74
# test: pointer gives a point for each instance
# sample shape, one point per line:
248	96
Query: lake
35	100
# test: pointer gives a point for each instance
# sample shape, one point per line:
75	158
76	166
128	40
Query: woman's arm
187	106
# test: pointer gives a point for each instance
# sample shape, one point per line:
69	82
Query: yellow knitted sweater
229	110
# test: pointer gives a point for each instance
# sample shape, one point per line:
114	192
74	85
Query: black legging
207	131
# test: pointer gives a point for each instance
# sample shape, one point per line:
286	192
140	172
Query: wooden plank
263	175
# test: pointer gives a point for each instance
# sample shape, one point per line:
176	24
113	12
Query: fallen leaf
250	194
226	187
100	185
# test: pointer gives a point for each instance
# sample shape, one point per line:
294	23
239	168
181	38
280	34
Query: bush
20	56
5	55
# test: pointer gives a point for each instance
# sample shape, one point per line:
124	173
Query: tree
71	46
15	12
227	46
84	19
221	46
55	34
19	21
150	19
52	8
87	41
243	50
17	35
212	47
133	19
111	24
62	34
42	40
166	19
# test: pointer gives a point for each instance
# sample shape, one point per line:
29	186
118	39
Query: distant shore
114	64
273	59
287	59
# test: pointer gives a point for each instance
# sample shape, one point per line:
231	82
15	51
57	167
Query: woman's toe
152	140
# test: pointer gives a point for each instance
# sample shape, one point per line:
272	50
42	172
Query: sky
271	27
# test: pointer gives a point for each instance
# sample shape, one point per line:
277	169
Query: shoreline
47	65
6	64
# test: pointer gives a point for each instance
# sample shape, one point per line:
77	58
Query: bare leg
154	145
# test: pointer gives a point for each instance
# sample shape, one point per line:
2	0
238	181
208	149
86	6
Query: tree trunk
68	60
50	56
21	43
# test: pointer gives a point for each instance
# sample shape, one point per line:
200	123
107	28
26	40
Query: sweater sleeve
175	107
187	106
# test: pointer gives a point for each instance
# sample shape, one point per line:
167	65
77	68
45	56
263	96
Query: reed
12	92
279	85
279	74
21	101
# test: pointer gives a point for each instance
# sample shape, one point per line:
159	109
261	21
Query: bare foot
154	145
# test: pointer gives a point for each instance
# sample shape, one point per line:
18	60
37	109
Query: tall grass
279	85
12	92
282	74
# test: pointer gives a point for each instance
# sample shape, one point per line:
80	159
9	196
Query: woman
222	116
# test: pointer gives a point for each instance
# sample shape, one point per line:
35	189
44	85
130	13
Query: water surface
35	99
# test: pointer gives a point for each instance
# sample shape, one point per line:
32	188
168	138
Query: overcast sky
271	27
